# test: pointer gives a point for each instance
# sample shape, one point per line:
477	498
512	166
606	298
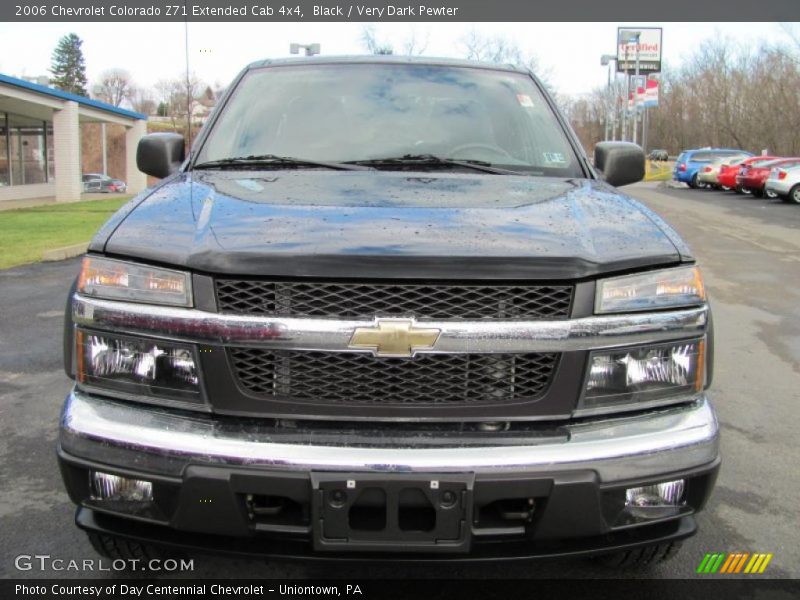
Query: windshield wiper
258	160
432	159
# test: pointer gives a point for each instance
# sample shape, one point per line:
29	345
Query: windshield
358	112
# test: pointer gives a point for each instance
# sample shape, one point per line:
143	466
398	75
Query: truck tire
640	558
117	548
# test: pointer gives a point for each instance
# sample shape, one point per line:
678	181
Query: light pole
311	49
611	116
627	37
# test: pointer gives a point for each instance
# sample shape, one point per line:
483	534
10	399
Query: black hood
324	223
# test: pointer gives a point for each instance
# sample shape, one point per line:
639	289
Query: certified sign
649	50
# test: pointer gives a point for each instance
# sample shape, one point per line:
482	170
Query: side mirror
620	163
160	154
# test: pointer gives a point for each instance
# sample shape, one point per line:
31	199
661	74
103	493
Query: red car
732	176
754	176
727	173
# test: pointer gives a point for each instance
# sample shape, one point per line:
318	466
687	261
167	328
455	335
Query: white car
710	173
784	183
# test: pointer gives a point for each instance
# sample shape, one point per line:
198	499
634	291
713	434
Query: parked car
409	323
760	169
784	182
659	155
709	174
728	173
121	186
756	175
99	183
689	162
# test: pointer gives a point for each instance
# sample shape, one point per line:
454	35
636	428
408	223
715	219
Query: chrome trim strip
586	333
646	444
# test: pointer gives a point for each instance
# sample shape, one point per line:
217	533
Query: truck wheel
116	548
640	558
793	197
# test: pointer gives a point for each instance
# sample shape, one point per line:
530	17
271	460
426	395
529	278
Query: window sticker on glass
554	158
525	100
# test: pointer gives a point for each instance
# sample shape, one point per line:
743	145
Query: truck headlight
631	378
137	366
120	280
667	288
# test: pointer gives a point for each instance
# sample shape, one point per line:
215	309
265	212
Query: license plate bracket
392	512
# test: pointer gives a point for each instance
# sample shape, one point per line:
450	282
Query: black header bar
414	11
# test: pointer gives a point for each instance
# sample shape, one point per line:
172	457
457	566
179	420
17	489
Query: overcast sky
152	51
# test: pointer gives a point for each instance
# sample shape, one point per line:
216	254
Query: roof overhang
37	101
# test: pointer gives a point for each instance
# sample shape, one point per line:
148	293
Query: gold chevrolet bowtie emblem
394	337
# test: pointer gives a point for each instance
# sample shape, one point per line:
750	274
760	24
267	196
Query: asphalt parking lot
750	252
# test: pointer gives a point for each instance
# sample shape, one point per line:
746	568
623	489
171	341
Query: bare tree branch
115	86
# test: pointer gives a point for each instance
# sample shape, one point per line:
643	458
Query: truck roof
386	59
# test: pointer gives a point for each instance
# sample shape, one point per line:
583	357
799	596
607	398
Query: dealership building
40	140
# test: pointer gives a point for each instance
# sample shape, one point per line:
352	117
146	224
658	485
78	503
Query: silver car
784	183
709	174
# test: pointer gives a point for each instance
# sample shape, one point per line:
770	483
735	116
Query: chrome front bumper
165	442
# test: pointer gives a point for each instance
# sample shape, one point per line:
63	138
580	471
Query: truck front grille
366	300
363	379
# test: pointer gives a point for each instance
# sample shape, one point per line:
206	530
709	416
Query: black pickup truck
387	307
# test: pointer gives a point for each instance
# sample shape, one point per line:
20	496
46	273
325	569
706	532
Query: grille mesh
362	379
355	300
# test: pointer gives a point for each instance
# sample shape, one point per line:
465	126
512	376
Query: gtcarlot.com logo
734	562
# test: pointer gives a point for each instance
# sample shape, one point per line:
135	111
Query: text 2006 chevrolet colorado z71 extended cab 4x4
387	306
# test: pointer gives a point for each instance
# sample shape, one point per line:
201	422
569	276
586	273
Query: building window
27	152
5	175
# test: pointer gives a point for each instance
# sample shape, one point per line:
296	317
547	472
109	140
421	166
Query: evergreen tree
68	66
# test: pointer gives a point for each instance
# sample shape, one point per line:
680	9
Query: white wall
23	192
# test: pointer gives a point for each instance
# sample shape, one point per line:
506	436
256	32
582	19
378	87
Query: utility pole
188	87
644	124
606	59
624	135
636	91
627	37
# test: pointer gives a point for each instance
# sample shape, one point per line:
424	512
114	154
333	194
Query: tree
115	86
178	96
370	41
415	46
724	94
68	66
497	49
142	101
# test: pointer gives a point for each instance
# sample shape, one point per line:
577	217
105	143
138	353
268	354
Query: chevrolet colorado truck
387	307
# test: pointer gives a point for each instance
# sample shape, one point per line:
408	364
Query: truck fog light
114	487
631	378
137	366
659	495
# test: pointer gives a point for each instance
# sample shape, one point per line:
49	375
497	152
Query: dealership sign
649	50
646	96
649	96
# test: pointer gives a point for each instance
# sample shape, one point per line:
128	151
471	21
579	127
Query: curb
65	252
